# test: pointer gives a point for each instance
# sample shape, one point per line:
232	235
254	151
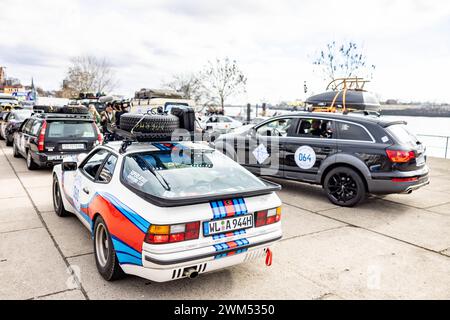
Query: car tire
58	203
154	125
16	153
105	256
31	165
344	187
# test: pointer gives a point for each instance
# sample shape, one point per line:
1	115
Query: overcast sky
273	41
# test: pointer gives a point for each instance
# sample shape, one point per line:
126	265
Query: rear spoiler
393	123
185	201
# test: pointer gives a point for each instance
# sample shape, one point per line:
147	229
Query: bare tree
220	79
189	84
89	74
346	60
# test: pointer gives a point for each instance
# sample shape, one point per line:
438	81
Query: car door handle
86	191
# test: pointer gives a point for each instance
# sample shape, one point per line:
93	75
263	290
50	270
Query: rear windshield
401	134
187	173
71	129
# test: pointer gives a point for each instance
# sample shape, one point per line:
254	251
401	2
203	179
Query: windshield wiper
157	175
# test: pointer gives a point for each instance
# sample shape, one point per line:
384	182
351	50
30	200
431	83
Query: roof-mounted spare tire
154	126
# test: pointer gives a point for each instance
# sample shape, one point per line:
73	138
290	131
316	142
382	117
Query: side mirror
69	166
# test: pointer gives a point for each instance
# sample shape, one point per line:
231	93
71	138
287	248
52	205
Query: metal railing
437	146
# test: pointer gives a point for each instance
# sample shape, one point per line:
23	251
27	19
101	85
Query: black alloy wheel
344	187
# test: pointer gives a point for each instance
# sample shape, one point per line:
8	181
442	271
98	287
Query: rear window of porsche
186	173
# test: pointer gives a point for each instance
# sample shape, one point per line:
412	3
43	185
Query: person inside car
315	128
326	131
304	127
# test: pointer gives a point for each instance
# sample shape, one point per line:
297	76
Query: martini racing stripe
228	235
126	254
228	208
231	245
136	219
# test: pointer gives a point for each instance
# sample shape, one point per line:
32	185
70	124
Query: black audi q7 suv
349	155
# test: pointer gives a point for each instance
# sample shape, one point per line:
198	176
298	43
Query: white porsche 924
165	211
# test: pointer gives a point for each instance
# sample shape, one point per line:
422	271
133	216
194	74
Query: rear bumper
385	185
162	267
50	160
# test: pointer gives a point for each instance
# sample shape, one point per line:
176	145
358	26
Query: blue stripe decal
215	209
220	212
206	228
85	216
243	206
236	207
127	259
223	212
119	245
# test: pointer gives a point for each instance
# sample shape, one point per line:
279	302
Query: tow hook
269	256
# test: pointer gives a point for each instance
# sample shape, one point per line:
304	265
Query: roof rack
355	83
44	115
128	138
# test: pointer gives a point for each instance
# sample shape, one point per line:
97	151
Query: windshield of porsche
186	173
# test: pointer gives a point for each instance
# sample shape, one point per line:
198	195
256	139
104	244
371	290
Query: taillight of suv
41	138
400	156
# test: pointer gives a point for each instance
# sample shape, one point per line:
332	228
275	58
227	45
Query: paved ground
392	247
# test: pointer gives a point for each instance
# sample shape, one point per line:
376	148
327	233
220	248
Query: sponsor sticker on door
261	153
76	193
305	157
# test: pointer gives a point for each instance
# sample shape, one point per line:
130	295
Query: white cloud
147	41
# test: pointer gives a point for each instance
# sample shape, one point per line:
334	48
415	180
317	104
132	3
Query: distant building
9	85
2	76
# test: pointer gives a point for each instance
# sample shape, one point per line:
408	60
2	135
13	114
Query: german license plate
58	157
228	225
73	146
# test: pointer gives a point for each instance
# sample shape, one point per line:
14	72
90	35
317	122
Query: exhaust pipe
191	273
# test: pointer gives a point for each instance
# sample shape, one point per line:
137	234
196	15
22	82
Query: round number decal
305	157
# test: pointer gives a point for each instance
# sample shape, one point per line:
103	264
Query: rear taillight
400	156
172	233
41	139
266	217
